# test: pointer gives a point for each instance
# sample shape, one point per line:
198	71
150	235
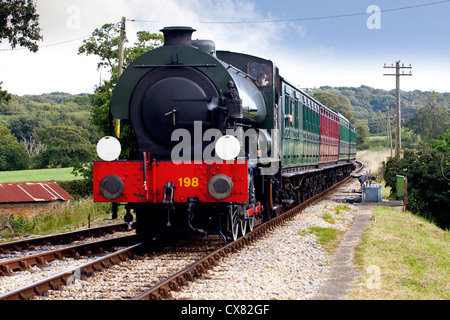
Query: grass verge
327	237
39	175
402	256
64	218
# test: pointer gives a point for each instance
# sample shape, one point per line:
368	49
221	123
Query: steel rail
61	237
197	269
25	263
67	277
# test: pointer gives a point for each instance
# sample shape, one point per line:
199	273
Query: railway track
61	238
162	269
127	278
7	267
33	258
123	268
67	277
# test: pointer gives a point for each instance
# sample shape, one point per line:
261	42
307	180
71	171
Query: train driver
261	79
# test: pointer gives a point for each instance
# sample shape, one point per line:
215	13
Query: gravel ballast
286	264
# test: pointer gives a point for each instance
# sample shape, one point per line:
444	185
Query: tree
33	146
104	43
65	147
19	24
442	144
362	132
4	95
13	155
430	121
338	103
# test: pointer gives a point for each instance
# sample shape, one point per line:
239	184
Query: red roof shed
32	192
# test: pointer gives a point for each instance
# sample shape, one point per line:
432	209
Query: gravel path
344	271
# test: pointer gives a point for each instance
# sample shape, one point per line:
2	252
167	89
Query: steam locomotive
222	141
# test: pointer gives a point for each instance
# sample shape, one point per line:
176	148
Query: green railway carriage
301	128
352	141
345	138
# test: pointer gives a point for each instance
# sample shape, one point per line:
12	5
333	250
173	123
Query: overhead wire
251	22
50	44
327	17
64	42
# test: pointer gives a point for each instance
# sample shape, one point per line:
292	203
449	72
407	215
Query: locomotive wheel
251	203
251	223
237	222
244	223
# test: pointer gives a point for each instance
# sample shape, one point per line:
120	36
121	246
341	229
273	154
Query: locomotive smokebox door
174	99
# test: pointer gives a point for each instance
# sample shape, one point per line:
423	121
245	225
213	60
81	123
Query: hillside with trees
60	130
425	115
369	105
50	130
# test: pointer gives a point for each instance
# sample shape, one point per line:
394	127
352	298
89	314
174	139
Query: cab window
261	72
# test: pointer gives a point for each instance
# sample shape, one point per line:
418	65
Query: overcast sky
313	42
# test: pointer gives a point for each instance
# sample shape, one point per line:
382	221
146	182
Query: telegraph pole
119	73
398	133
120	70
121	46
389	132
398	124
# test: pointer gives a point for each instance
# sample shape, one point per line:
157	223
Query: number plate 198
188	182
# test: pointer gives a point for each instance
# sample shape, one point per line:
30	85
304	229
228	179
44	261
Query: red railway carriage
329	135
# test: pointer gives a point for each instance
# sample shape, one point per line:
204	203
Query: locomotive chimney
178	36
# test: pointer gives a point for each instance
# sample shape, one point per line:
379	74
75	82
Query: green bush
375	143
78	189
13	155
428	186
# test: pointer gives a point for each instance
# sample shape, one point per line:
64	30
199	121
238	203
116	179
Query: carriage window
261	72
296	114
287	113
